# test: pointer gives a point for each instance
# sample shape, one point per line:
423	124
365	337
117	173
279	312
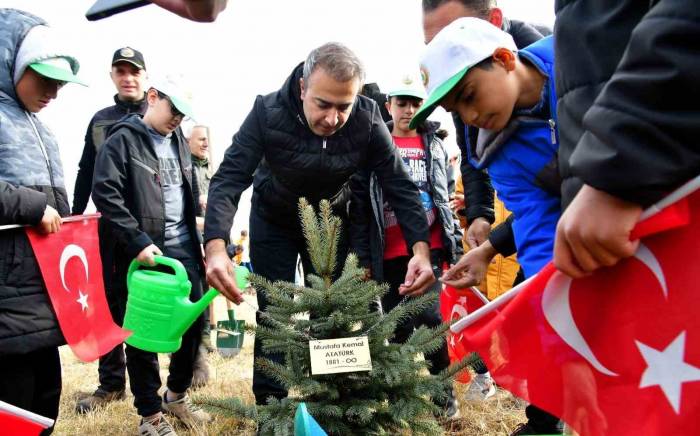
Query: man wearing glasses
144	189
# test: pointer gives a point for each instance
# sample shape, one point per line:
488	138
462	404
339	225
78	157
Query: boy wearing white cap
376	236
472	68
144	189
33	67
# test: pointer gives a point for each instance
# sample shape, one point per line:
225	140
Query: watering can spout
191	311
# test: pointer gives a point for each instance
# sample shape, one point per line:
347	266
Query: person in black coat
629	106
307	140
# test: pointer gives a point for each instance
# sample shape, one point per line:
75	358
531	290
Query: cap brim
55	73
131	61
182	106
407	93
434	98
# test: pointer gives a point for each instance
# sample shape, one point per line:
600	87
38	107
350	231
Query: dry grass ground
232	377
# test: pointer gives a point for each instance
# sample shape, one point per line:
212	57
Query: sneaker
187	412
98	399
200	370
481	388
451	407
156	427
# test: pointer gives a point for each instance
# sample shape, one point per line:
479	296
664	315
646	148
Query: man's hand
220	274
204	11
419	274
478	232
470	270
50	222
147	255
594	231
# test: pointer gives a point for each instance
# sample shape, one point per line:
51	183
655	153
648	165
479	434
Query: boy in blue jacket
471	68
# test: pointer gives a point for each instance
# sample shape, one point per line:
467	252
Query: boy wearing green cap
144	189
33	67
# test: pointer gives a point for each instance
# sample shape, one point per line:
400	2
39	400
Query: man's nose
331	117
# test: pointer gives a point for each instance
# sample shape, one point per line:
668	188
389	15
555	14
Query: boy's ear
505	58
496	17
387	104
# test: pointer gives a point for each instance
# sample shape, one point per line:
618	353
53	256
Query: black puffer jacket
31	177
95	136
128	193
629	100
276	151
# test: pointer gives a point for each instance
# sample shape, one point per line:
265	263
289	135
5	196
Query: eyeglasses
173	110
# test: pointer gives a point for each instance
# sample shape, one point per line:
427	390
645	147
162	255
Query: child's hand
50	222
594	231
457	202
470	270
478	232
147	255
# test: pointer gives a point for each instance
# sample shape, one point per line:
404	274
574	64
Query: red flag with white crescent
72	271
455	304
617	352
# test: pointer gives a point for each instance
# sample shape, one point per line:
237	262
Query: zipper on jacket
46	155
553	130
324	142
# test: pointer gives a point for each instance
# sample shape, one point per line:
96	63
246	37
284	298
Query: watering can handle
175	264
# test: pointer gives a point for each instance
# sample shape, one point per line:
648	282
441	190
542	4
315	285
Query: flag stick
68	219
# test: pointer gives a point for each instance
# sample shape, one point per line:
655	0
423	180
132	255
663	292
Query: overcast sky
249	50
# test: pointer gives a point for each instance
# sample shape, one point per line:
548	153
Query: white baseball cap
448	57
409	85
174	88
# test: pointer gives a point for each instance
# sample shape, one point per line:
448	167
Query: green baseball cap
57	68
448	57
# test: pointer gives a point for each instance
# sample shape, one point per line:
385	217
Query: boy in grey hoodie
33	67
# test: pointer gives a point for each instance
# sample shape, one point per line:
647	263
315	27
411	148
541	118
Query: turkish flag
15	421
72	271
455	304
616	353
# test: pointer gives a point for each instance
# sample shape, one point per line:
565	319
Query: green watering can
229	335
158	310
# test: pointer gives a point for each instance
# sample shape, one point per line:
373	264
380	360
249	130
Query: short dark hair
337	60
486	64
480	7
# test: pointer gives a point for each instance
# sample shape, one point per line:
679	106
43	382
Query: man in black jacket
629	105
129	76
307	140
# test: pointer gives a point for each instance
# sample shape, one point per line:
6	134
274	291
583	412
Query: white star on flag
667	370
83	300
